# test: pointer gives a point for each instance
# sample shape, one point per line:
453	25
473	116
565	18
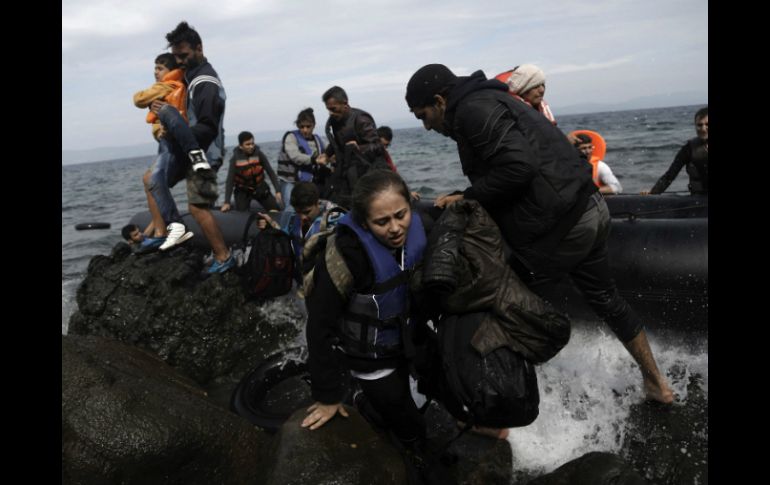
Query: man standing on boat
530	179
694	156
354	146
206	111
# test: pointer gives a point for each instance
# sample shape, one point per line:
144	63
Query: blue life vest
372	324
292	172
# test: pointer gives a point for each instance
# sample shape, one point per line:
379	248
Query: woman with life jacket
302	157
246	174
694	156
601	173
361	316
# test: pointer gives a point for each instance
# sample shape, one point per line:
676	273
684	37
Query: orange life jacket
248	173
176	98
595	171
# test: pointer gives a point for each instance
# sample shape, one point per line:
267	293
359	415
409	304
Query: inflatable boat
658	252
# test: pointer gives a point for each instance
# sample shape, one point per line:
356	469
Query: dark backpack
269	269
498	389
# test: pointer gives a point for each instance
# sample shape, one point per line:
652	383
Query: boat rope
633	215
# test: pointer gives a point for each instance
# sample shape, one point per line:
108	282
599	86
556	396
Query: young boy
600	171
169	87
248	166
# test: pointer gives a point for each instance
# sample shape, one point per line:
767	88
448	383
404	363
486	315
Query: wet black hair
701	113
385	132
582	138
184	33
304	194
168	60
373	183
127	230
244	136
337	93
305	115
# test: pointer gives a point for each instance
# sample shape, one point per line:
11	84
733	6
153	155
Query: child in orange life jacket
169	87
600	171
246	175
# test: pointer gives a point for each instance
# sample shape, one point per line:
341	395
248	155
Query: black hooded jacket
522	169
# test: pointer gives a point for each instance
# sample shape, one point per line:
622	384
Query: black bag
497	390
269	269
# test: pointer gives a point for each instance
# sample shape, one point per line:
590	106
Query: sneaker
177	234
198	159
217	267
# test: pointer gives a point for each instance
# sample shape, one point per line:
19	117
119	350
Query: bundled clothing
247	176
694	156
464	267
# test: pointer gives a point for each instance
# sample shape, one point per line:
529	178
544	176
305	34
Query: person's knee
616	312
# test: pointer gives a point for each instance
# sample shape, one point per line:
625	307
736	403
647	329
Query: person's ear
440	101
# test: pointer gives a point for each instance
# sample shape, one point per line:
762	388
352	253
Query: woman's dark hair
373	183
305	115
167	60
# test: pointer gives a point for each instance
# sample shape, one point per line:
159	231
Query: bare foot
497	433
659	392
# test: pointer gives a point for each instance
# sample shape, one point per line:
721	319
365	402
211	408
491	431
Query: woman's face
535	95
389	218
306	129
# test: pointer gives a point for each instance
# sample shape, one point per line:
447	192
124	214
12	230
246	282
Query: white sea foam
586	392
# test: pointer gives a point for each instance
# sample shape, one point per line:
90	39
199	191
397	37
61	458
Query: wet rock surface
203	325
129	418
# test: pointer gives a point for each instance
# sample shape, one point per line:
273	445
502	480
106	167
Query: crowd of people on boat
542	188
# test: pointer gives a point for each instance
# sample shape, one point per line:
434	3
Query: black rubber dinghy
279	386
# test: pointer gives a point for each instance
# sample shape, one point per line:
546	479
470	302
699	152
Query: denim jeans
286	188
171	165
164	170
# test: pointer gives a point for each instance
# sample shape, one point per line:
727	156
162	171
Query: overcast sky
278	57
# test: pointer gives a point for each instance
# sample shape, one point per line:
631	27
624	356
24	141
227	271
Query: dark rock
204	326
594	468
345	451
669	444
128	418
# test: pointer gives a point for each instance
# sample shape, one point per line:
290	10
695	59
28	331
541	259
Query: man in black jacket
354	146
530	179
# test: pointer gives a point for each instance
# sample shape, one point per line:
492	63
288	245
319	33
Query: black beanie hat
428	81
